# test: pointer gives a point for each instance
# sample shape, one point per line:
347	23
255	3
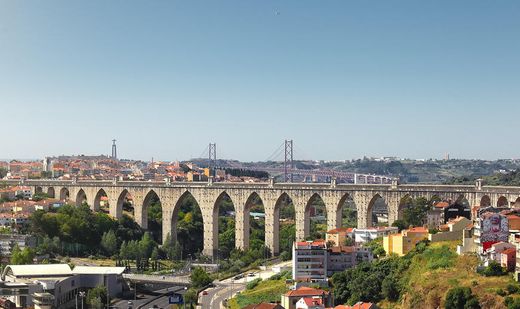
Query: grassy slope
427	288
265	291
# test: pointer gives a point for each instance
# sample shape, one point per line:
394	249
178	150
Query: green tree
109	242
191	296
21	257
97	297
390	287
400	224
461	298
200	278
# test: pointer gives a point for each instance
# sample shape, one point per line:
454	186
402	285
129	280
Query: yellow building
405	241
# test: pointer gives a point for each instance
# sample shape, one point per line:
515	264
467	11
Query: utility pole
212	157
288	161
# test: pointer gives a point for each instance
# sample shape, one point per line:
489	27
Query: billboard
494	228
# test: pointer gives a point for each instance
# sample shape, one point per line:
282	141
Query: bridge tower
114	150
212	156
288	161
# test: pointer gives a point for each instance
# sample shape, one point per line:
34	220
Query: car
204	292
252	274
238	277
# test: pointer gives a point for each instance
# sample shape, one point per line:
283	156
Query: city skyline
343	79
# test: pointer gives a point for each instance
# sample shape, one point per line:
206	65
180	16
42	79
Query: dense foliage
79	231
461	298
383	278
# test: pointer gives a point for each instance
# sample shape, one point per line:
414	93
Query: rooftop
306	291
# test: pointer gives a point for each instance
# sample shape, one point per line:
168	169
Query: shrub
251	285
512	288
461	298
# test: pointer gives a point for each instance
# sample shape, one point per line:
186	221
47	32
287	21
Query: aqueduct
208	194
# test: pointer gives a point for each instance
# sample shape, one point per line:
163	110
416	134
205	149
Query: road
225	289
150	301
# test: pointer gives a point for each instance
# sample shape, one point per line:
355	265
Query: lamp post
183	299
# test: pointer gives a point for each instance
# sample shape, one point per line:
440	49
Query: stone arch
223	196
253	199
371	208
64	194
344	202
517	203
284	199
96	206
81	197
502	202
188	242
121	199
38	190
485	201
149	198
403	202
50	192
310	215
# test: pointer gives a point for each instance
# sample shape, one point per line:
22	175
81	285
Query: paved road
225	289
161	302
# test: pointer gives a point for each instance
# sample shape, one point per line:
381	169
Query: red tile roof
306	291
359	305
442	205
340	230
263	306
309	301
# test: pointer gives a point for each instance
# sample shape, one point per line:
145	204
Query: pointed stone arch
191	242
50	192
405	200
314	198
485	201
284	199
81	197
502	202
372	205
117	210
64	194
343	204
223	196
96	205
142	216
243	233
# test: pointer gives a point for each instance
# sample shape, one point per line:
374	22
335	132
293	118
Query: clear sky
344	79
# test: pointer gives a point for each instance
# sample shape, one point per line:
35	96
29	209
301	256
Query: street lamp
183	299
81	295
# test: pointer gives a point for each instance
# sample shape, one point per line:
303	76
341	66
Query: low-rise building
310	303
405	241
338	237
314	261
37	285
310	261
453	230
289	299
369	234
340	258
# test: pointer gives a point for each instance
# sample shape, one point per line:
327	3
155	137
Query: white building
313	261
24	284
368	234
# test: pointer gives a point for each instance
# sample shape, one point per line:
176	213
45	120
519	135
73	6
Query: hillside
422	279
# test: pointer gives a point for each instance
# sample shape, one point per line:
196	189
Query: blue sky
343	79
